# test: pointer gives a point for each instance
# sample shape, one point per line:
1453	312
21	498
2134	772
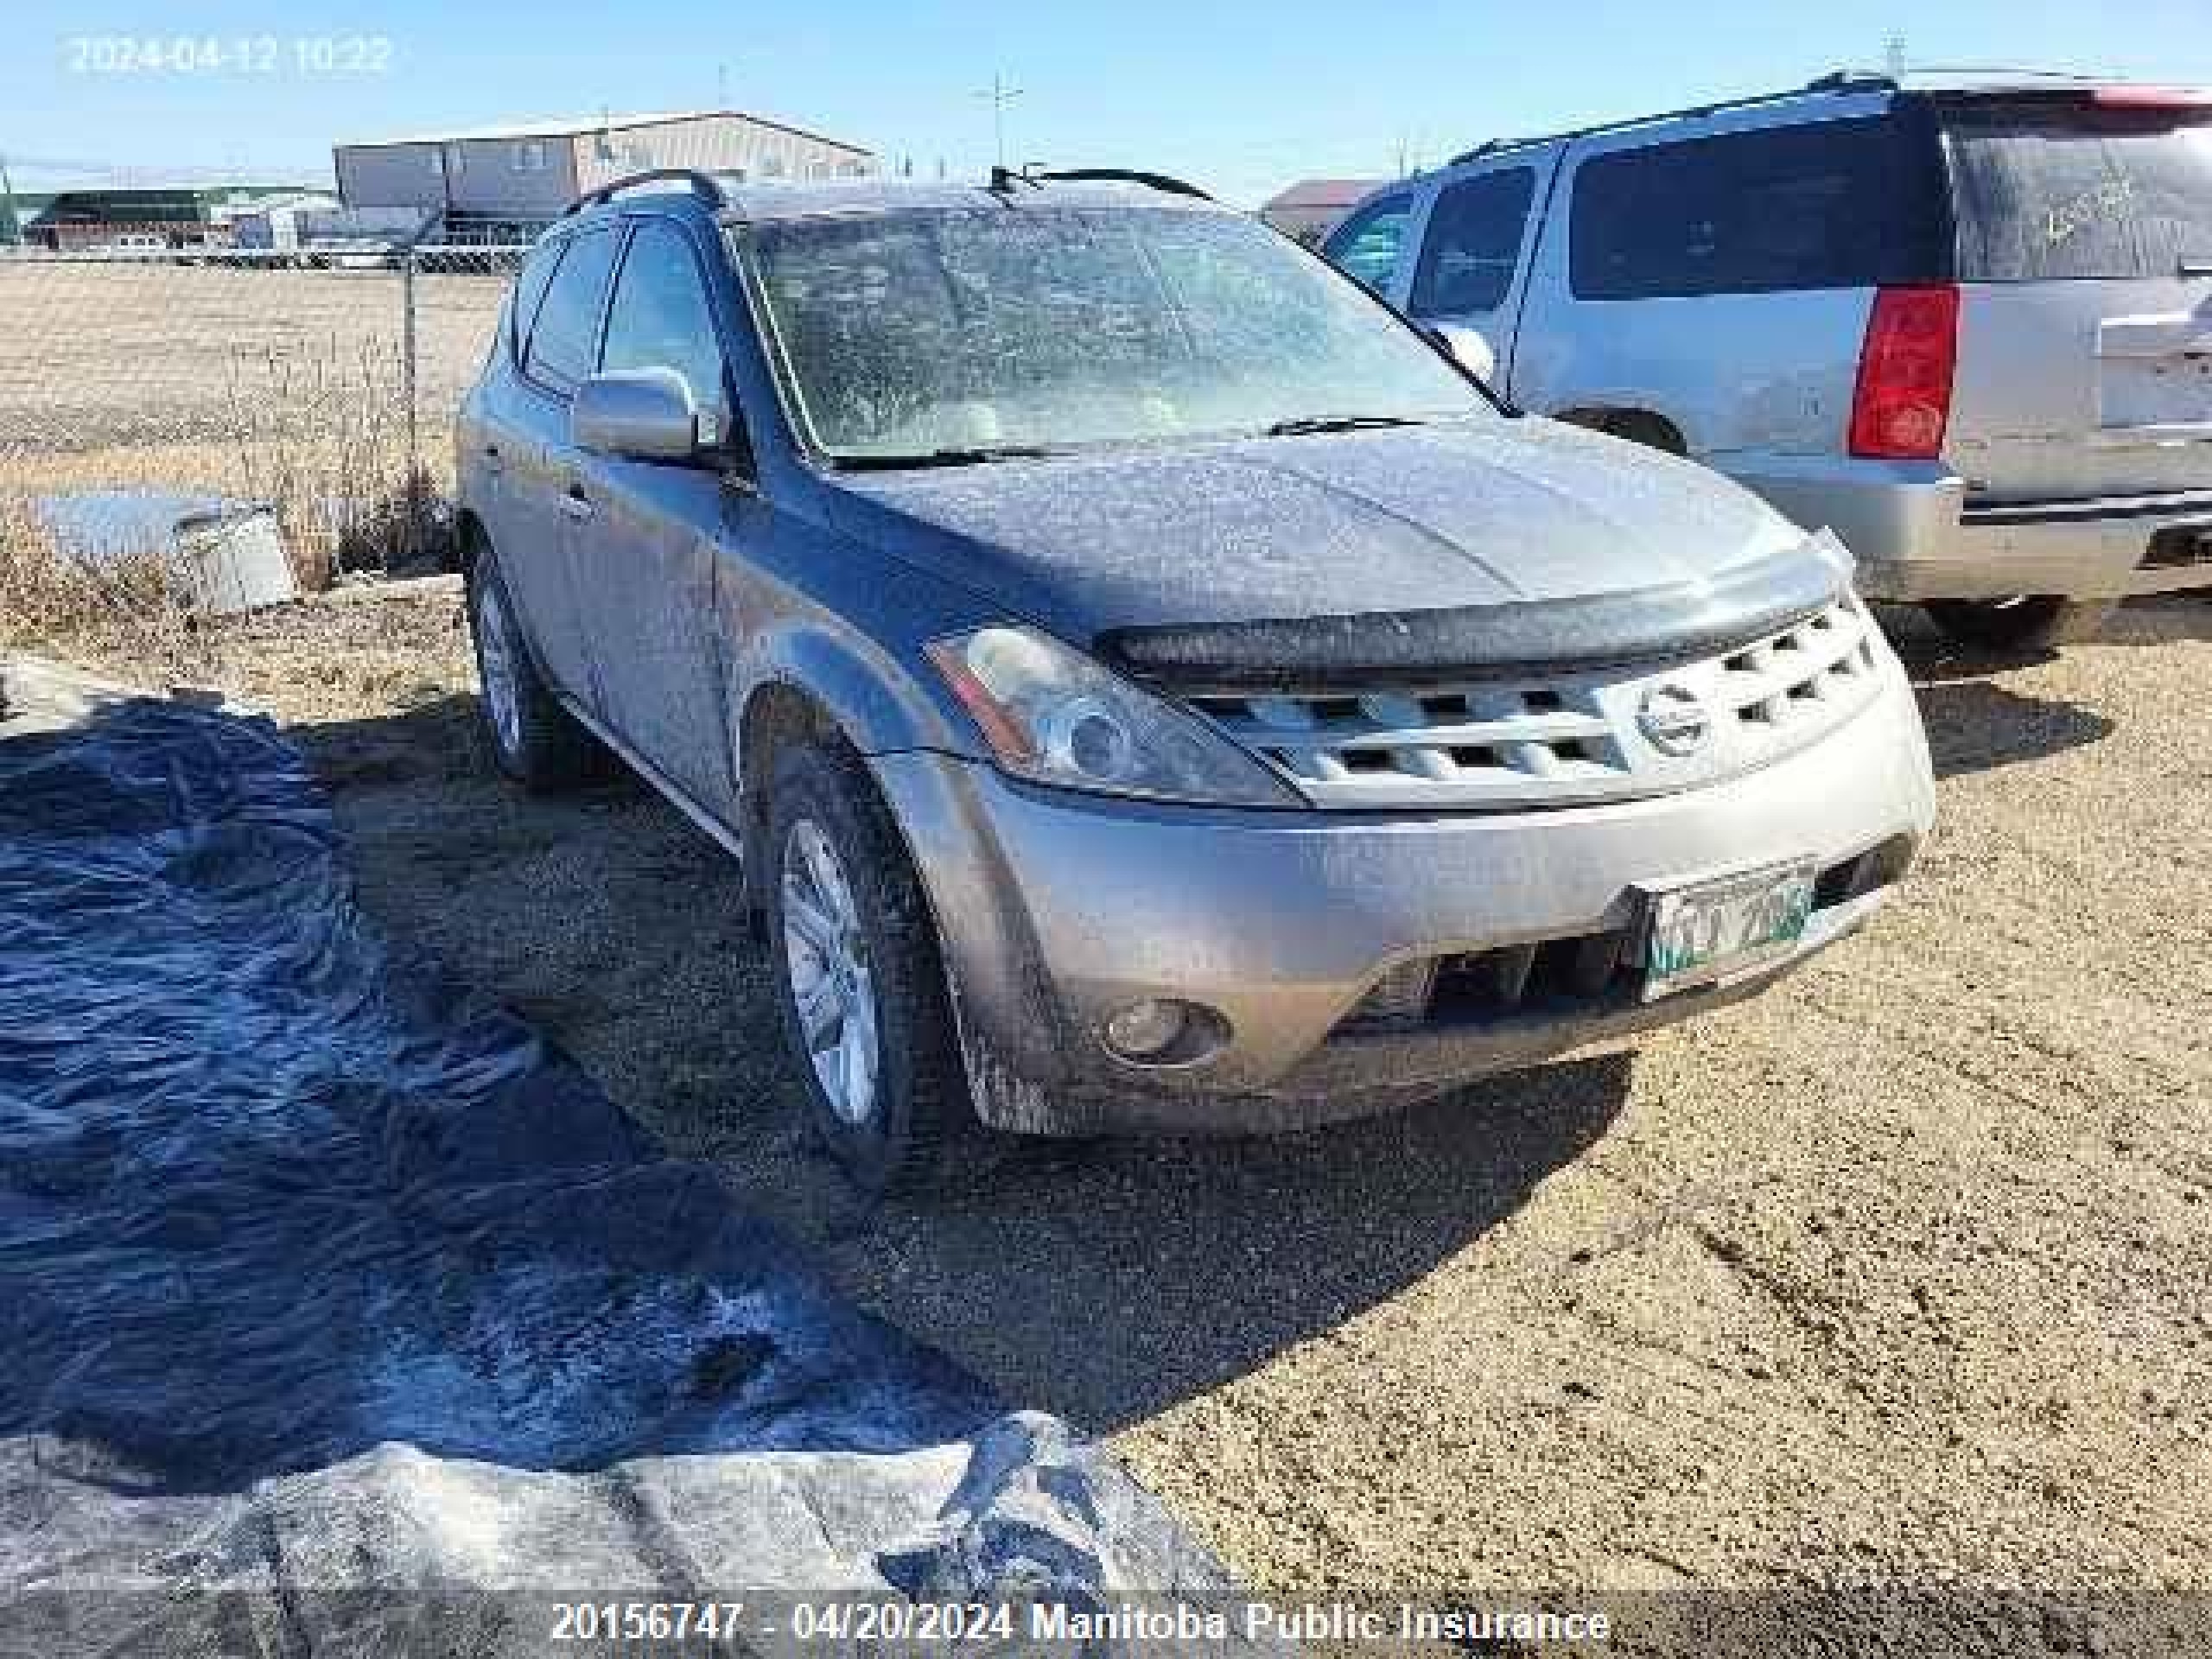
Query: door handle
575	505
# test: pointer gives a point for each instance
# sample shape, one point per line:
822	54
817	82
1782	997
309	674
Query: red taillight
1903	400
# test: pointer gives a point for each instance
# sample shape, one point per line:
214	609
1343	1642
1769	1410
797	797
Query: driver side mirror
641	415
1466	348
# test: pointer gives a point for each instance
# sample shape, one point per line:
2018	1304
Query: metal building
497	181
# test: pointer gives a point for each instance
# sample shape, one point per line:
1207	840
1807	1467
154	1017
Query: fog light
1162	1032
1146	1030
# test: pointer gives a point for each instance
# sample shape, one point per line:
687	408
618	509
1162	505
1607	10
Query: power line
1001	95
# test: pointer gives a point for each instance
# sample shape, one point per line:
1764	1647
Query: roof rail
1161	181
2059	77
704	186
1842	81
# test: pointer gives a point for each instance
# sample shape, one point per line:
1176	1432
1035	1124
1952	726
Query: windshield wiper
1300	425
970	456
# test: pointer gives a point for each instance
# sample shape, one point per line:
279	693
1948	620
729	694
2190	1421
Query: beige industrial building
496	180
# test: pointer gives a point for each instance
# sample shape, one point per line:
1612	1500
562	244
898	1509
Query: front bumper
1055	910
1915	535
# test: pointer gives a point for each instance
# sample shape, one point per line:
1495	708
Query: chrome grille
1564	738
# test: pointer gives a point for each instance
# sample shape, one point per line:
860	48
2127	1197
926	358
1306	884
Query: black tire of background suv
2036	623
555	753
923	1106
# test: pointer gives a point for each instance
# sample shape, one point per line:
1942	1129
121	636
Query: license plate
1707	932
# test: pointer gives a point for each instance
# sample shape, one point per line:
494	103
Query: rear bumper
1917	536
1055	912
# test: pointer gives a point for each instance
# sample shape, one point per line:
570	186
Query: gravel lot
1900	1274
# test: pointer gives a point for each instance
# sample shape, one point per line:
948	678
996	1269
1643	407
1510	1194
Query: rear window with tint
1826	204
2050	192
565	332
1472	245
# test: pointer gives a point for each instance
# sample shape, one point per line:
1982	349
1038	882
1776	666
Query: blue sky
1240	95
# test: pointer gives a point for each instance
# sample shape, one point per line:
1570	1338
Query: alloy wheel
826	964
496	665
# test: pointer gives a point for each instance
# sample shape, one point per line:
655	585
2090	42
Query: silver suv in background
1963	320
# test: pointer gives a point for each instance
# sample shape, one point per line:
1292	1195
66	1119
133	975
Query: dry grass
123	616
281	386
322	436
111	355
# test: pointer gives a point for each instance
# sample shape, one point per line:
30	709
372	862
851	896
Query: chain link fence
321	384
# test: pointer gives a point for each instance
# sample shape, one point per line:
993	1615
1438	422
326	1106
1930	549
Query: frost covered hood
1497	522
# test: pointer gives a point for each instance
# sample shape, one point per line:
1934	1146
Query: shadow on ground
1101	1281
2161	621
1975	721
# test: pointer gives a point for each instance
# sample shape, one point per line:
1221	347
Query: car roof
1817	97
765	201
736	198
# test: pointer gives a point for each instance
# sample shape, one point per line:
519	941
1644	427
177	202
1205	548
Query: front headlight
1053	716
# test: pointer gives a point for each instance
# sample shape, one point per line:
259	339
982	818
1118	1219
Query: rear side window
1472	243
2062	191
566	330
530	290
1366	245
1828	204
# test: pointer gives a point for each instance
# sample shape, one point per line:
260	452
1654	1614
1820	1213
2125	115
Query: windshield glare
1033	326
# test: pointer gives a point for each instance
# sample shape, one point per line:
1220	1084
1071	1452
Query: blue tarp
311	1264
272	1191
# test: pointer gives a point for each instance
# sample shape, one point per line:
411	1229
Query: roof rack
704	186
1842	81
1161	181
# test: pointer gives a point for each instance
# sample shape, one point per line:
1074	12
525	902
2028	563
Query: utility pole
1001	95
11	227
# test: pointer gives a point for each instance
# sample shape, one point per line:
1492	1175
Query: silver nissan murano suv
1149	685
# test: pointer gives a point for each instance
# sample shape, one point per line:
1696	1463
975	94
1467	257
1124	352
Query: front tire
859	981
2027	622
534	740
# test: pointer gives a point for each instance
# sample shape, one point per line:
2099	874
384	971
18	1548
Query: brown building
183	216
1309	210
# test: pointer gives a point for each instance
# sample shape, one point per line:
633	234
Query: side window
661	317
529	288
1366	245
1473	243
566	328
1826	204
